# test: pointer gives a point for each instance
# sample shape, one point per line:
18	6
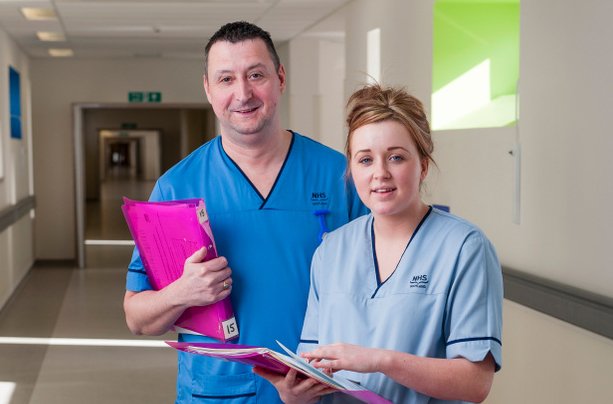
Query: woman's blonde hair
374	103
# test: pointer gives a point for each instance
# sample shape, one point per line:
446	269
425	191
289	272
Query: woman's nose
381	170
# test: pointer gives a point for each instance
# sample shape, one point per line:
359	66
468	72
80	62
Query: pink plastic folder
279	363
166	234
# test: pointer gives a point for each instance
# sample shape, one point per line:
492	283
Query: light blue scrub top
444	300
269	243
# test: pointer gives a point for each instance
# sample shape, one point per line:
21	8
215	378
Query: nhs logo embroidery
419	281
319	198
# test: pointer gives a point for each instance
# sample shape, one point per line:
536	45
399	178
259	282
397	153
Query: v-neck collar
374	251
272	189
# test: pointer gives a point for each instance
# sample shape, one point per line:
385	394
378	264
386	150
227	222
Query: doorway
120	151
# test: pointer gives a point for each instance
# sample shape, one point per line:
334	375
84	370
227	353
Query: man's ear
205	84
282	77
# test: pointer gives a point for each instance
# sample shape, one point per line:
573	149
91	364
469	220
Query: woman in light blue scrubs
406	301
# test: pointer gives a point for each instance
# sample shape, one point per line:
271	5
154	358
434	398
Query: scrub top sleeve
473	326
137	279
156	193
309	338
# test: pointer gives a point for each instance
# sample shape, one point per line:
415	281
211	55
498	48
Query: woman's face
387	168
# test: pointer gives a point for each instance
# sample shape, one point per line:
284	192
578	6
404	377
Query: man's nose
243	91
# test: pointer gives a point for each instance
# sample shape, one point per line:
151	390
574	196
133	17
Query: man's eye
225	79
256	76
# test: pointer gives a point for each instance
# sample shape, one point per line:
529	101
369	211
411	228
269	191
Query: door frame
78	113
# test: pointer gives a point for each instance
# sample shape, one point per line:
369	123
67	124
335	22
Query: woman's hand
292	389
346	357
445	379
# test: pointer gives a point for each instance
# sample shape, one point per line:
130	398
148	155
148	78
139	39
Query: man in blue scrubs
270	194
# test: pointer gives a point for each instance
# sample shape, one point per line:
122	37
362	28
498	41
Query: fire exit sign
144	96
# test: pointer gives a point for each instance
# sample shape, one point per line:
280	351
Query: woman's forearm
445	379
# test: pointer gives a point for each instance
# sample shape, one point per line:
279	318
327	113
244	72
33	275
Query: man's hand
203	282
292	389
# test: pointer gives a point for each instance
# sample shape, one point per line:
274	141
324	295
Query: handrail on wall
576	306
11	214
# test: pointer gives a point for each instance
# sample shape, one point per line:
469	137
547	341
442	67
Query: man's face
243	87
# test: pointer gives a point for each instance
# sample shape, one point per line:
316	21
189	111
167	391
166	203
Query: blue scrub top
444	300
268	242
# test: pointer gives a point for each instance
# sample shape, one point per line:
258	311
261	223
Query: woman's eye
396	158
365	160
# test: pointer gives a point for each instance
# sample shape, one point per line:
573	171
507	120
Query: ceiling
154	28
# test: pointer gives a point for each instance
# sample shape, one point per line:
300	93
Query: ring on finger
226	284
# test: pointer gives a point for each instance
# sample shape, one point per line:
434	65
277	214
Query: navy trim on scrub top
264	200
457	341
374	252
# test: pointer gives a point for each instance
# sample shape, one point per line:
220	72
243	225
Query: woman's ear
425	163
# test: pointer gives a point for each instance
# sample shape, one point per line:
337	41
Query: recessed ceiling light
50	36
61	52
38	14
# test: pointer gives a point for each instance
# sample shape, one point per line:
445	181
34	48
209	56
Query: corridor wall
16	189
56	86
564	232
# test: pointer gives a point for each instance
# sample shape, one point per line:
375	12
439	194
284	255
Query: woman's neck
399	226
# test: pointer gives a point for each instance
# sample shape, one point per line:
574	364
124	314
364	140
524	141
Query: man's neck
260	159
257	150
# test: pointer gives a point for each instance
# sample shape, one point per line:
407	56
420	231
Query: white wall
565	89
406	46
548	361
316	84
303	90
565	232
56	85
331	128
16	242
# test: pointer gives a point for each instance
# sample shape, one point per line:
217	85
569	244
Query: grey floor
104	220
63	337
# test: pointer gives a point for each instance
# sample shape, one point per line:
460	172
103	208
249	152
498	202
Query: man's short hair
240	31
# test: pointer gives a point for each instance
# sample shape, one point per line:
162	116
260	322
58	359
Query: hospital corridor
63	333
99	98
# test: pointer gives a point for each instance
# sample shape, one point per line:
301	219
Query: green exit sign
154	96
144	96
136	96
